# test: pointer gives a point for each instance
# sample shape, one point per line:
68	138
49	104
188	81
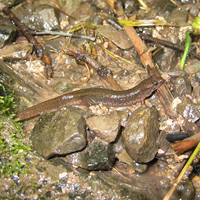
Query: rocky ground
98	151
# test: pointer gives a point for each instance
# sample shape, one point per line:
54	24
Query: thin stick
170	192
40	51
164	93
64	34
169	45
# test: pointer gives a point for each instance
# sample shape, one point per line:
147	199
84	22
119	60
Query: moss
13	151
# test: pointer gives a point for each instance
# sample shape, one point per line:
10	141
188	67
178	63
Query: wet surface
100	152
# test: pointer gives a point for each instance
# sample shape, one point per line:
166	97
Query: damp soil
100	162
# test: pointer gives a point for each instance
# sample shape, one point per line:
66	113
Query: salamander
94	96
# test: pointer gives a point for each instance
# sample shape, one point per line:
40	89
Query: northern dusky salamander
94	96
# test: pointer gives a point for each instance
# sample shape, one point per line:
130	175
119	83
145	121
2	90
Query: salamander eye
155	83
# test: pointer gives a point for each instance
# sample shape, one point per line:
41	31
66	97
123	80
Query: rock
192	67
101	4
124	157
189	111
130	7
120	39
182	87
98	155
190	127
162	142
140	134
178	17
16	51
59	133
185	190
46	18
7	34
197	76
10	3
78	9
38	16
105	127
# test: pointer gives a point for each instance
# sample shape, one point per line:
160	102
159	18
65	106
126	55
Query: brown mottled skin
94	96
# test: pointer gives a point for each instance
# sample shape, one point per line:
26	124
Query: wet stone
59	133
10	2
178	17
98	155
197	76
16	51
190	127
140	134
38	16
106	127
182	87
101	4
124	157
192	67
185	190
7	34
120	39
189	111
47	17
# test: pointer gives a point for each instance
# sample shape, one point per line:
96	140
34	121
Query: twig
165	95
58	6
170	192
103	72
169	45
64	34
141	48
144	6
40	51
113	55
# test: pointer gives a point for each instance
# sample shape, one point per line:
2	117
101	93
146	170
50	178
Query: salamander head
151	84
156	82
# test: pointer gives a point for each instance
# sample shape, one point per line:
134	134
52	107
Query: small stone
120	39
189	111
140	134
7	34
16	51
98	155
105	127
59	133
182	87
124	157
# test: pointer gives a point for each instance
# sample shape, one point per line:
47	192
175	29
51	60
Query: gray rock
124	157
38	16
47	17
98	155
189	111
10	2
105	127
182	87
140	134
59	133
120	39
16	51
178	17
7	34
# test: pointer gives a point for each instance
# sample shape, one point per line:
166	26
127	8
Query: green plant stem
190	160
187	47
